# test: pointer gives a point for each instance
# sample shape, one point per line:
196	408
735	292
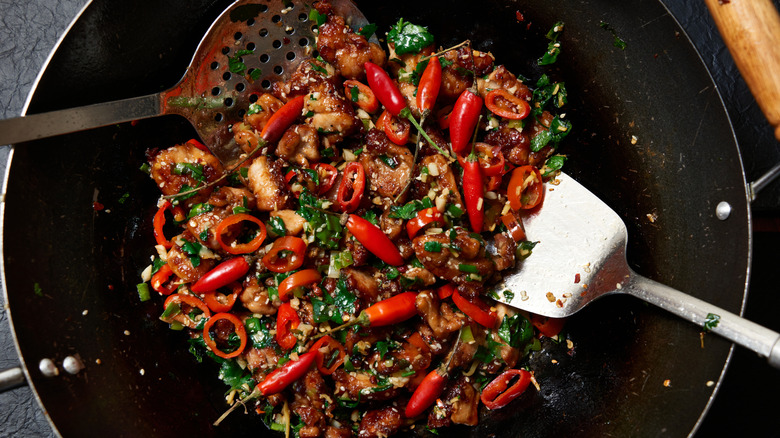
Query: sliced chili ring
353	182
286	320
474	309
243	248
526	188
366	99
189	300
329	360
328	175
286	254
199	145
296	280
491	160
158	224
397	130
239	330
446	291
504	104
547	326
513	226
499	393
160	281
219	302
424	218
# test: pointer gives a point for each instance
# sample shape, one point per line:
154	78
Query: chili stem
225	175
414	160
425	135
457	46
349	324
253	395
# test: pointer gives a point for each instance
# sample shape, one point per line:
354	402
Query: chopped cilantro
515	330
367	30
616	40
124	198
711	321
354	94
432	246
37	290
315	16
326	228
191	169
410	209
318	69
276	226
554	47
254	108
553	164
558	130
193	251
408	37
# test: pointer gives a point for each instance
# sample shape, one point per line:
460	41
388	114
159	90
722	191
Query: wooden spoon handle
751	30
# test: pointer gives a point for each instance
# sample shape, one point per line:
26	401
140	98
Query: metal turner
248	47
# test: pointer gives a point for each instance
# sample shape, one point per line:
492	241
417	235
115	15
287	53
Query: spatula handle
751	31
748	334
69	120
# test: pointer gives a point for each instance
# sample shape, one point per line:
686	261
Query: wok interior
139	378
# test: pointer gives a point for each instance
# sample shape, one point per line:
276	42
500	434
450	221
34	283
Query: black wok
140	380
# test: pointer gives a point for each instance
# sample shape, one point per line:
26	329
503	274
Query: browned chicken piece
341	46
459	75
222	200
338	432
299	145
392	227
267	183
247	133
407	356
261	360
255	298
361	384
184	165
420	277
439	182
363	284
459	256
293	223
504	251
437	135
359	252
180	262
381	422
437	346
437	315
516	143
388	166
313	409
503	79
465	352
458	404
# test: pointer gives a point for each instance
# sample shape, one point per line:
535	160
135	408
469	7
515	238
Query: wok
140	380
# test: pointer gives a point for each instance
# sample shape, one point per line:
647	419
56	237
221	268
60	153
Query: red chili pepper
490	159
296	280
160	278
384	88
424	217
282	119
497	395
286	254
463	119
329	345
526	188
189	300
222	275
504	104
243	248
391	311
397	130
473	192
280	378
513	226
199	145
446	291
328	175
286	320
426	394
443	117
365	98
239	330
430	83
353	183
158	223
475	310
374	240
493	183
547	326
226	303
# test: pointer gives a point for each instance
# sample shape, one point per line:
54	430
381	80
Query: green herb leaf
711	321
198	209
318	69
515	330
315	16
193	251
325	228
553	164
408	37
37	290
432	246
191	169
254	108
276	226
367	30
616	40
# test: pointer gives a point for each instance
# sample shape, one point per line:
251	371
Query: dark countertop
744	405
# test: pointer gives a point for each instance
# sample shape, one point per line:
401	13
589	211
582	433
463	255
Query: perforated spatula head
580	254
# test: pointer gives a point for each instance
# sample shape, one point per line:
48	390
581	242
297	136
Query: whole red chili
280	378
391	311
384	88
463	119
426	393
353	183
473	192
375	240
282	119
222	275
430	83
497	395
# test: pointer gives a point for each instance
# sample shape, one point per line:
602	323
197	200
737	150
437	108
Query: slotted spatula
247	48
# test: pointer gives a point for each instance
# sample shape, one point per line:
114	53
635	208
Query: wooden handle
751	30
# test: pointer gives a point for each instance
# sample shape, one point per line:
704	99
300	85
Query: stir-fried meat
363	384
255	298
437	346
338	432
300	145
460	256
458	404
465	352
459	75
392	227
184	165
359	252
261	360
439	316
363	284
180	262
503	79
504	251
381	422
516	143
439	182
411	355
419	277
310	405
293	223
267	183
388	166
341	46
437	135
247	133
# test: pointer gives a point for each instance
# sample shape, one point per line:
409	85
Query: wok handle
11	378
69	120
751	31
748	334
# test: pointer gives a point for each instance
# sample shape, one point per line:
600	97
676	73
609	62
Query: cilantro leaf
515	330
408	37
367	30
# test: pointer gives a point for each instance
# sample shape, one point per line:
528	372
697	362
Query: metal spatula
247	48
581	256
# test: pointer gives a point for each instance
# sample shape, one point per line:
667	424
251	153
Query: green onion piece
471	269
143	292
